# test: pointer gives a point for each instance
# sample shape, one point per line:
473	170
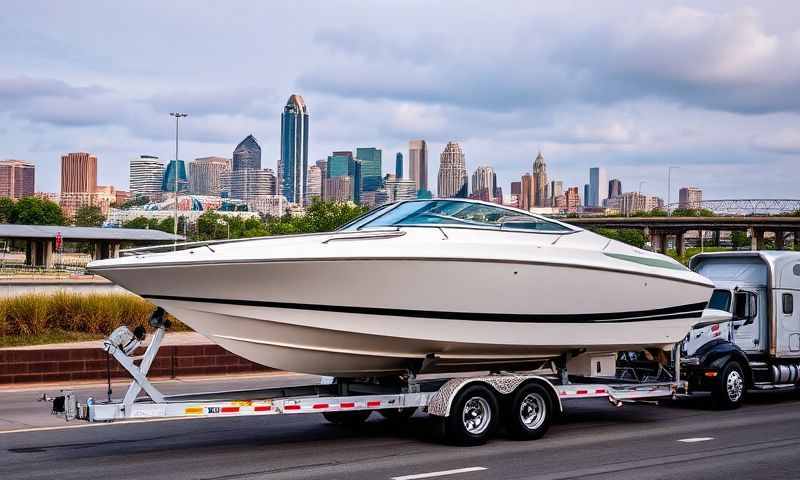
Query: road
680	439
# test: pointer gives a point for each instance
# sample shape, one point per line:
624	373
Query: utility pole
669	189
177	116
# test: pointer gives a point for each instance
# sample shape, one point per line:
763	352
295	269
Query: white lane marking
98	424
696	439
439	474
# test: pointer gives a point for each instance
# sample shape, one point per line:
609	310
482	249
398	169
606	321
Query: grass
692	251
45	318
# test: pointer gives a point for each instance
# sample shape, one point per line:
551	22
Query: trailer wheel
397	414
473	416
729	389
353	418
530	414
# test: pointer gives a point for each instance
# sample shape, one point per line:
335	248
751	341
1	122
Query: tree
212	226
6	209
136	201
89	216
631	236
37	211
692	212
739	239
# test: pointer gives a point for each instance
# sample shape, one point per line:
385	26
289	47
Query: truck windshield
720	300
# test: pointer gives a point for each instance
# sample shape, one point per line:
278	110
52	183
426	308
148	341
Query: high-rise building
78	173
398	165
339	189
629	203
175	168
614	188
205	175
17	179
484	183
525	201
323	173
690	198
556	190
314	184
399	188
342	164
146	175
245	163
453	180
516	190
418	163
371	178
540	182
598	191
294	149
572	199
587	193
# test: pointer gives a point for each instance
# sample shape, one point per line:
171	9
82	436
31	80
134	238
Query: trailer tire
473	416
730	387
398	414
530	412
356	417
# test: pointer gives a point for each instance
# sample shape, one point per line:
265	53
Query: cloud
785	141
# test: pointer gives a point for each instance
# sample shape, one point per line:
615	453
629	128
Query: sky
710	87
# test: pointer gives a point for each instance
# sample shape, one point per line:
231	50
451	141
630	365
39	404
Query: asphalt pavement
677	439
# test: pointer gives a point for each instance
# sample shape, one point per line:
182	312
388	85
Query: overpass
659	229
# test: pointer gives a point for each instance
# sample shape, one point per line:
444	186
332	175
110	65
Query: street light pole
669	188
178	116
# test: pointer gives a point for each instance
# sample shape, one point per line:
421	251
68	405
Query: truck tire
473	416
398	414
530	412
353	418
730	387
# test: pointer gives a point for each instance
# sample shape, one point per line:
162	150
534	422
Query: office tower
526	192
17	179
572	199
371	178
245	163
539	182
690	198
484	183
418	163
452	172
323	173
175	168
587	193
294	149
614	188
314	184
205	175
339	189
398	165
146	175
556	190
399	188
78	173
342	164
598	180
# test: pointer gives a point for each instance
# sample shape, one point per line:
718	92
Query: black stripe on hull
694	310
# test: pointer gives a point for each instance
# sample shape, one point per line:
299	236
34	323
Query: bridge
659	229
758	206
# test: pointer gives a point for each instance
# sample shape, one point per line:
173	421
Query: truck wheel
729	390
473	416
398	414
530	413
353	418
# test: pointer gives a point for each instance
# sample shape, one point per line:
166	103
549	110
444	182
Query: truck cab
758	346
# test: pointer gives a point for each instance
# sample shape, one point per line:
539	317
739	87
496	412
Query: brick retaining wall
57	365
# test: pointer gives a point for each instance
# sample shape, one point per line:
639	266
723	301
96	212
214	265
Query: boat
417	286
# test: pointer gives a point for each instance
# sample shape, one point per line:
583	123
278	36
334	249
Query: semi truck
758	346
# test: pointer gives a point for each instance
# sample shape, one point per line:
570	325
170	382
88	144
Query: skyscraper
294	149
205	175
556	190
526	192
484	183
418	163
17	179
339	189
398	165
452	172
690	197
175	167
323	173
78	173
399	188
598	180
539	182
614	188
371	178
573	199
146	175
245	163
342	164
587	193
315	180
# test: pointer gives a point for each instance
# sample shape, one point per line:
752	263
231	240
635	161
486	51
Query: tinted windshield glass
459	213
720	300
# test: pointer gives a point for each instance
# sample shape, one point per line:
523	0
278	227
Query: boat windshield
460	213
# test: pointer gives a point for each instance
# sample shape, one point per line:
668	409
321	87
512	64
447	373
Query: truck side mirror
746	307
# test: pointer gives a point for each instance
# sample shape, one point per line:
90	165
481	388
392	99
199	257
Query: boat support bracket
139	373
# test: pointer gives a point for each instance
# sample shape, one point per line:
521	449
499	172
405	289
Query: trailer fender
442	400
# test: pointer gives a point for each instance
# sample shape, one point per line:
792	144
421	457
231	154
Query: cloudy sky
710	87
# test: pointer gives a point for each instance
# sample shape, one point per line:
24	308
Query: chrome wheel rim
734	386
532	411
476	415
